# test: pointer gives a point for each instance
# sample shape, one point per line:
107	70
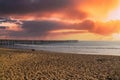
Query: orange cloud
97	9
107	28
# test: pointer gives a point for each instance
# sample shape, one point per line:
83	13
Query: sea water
80	47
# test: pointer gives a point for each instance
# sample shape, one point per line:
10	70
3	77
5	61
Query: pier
34	42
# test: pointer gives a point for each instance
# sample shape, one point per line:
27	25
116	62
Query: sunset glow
115	14
48	19
116	36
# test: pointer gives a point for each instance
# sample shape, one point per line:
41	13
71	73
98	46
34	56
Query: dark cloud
37	28
8	7
41	8
2	27
42	28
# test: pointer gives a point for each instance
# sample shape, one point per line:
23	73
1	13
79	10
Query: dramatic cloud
30	6
77	9
65	9
41	18
37	28
43	28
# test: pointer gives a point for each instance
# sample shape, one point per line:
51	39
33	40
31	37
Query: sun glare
115	14
116	36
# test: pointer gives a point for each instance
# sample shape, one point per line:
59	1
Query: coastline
44	65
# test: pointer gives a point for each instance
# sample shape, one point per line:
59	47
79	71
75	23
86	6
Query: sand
42	65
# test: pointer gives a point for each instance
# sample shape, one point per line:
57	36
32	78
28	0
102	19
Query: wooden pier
35	42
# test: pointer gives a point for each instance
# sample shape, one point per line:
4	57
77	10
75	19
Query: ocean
80	47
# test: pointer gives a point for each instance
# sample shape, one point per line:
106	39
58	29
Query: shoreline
91	54
44	65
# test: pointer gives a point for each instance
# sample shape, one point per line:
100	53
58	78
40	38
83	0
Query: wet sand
42	65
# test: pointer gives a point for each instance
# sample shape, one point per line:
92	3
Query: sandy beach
42	65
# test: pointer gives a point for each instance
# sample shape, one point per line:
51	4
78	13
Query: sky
60	19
